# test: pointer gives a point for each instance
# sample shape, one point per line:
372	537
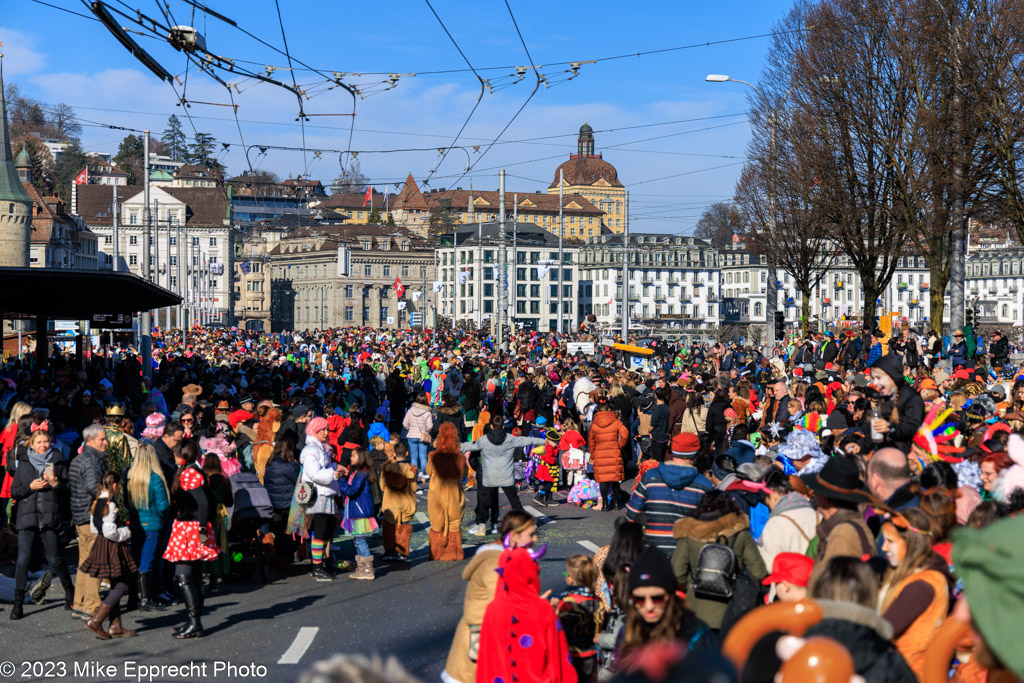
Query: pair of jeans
51	549
145	544
487	502
418	455
362	547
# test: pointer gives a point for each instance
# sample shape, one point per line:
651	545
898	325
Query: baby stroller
248	522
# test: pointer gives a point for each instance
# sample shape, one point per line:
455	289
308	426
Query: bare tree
351	179
719	222
64	123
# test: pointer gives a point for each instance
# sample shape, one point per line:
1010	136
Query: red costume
521	639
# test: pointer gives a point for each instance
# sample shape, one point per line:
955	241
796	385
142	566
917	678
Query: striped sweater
666	493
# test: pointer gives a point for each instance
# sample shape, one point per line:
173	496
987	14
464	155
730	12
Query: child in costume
360	521
580	614
521	638
548	471
398	484
446	499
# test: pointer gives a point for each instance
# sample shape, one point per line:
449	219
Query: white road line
541	517
303	639
592	547
421	518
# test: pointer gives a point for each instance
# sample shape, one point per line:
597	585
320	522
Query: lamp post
771	292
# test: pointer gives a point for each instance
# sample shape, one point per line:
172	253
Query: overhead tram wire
472	111
291	70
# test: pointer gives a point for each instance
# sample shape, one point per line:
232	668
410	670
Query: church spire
15	205
10	184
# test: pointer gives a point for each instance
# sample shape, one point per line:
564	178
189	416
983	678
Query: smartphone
48	469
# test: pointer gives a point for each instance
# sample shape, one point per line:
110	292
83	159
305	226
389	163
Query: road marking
303	639
541	517
421	518
592	547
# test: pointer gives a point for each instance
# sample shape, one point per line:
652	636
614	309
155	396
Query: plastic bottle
876	436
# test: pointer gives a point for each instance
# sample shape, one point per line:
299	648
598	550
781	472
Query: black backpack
715	573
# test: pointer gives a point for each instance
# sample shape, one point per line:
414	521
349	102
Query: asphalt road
274	632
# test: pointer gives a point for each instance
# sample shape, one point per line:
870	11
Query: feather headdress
936	435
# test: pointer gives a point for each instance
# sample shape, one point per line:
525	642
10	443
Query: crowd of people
877	476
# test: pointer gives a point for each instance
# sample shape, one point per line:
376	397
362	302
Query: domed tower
23	164
15	205
588	175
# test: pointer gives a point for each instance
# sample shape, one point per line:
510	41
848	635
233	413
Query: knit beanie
685	445
652	568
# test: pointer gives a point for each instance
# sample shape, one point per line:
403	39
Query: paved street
410	611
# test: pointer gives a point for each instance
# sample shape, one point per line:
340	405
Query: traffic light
780	325
969	317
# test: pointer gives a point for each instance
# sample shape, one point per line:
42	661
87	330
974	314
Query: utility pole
515	261
116	237
146	319
503	262
156	257
561	260
181	283
479	271
625	275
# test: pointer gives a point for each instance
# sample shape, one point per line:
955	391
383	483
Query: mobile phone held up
48	469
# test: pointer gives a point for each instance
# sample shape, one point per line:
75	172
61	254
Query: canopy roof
77	294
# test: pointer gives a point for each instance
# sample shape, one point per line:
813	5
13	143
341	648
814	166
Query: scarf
38	460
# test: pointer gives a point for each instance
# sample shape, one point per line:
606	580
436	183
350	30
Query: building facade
191	250
673	283
468	287
588	175
347	275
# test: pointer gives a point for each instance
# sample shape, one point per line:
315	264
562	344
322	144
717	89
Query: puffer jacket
732	529
86	470
279	478
38	510
358	488
418	422
152	517
453	415
607	437
317	468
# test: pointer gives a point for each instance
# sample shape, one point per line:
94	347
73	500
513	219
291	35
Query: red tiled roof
207	206
410	198
351	200
587	170
93	203
43	216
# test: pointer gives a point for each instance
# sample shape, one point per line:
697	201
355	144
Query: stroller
248	522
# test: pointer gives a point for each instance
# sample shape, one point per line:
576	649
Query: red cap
239	416
962	373
685	444
792	568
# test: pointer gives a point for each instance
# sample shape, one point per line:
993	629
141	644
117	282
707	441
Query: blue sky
57	57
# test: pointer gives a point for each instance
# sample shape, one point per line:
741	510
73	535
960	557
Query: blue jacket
958	353
279	480
360	496
666	493
874	353
153	516
378	429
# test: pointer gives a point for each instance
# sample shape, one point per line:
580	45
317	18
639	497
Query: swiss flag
369	196
83	177
399	287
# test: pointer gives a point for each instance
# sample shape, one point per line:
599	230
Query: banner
401	305
463	277
416	296
544	270
438	286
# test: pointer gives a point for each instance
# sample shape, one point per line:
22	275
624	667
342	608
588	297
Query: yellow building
587	174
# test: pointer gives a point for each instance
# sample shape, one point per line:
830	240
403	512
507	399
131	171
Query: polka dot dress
184	544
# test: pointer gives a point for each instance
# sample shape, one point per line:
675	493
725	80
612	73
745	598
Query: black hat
839	479
652	568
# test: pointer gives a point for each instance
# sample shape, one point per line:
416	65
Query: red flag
399	287
369	195
83	177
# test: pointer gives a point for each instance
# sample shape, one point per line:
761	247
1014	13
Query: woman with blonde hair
7	443
148	502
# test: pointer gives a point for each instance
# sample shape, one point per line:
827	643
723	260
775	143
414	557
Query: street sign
414	319
111	321
580	347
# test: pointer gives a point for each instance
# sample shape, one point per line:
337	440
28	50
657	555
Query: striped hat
685	445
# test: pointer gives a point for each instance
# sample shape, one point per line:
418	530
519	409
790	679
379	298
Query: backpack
715	573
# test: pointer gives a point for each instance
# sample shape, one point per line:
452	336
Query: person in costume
521	638
118	454
446	500
192	538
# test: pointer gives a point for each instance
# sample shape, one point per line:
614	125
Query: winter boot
117	630
320	573
146	603
95	623
69	594
39	588
17	611
365	570
190	595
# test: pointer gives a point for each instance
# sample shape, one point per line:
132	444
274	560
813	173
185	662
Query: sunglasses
188	421
959	336
656	600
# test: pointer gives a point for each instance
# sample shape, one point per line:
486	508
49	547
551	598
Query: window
174	260
566	274
521	292
423	271
348	293
107	239
174	241
387	271
711	310
133	260
521	272
213	241
534	307
520	307
405	271
195	241
488	306
488	291
384	314
535	291
366	313
133	239
367	271
133	218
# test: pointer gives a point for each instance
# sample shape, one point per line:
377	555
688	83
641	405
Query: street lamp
771	293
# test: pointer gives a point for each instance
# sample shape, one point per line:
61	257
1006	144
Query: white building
533	277
673	282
